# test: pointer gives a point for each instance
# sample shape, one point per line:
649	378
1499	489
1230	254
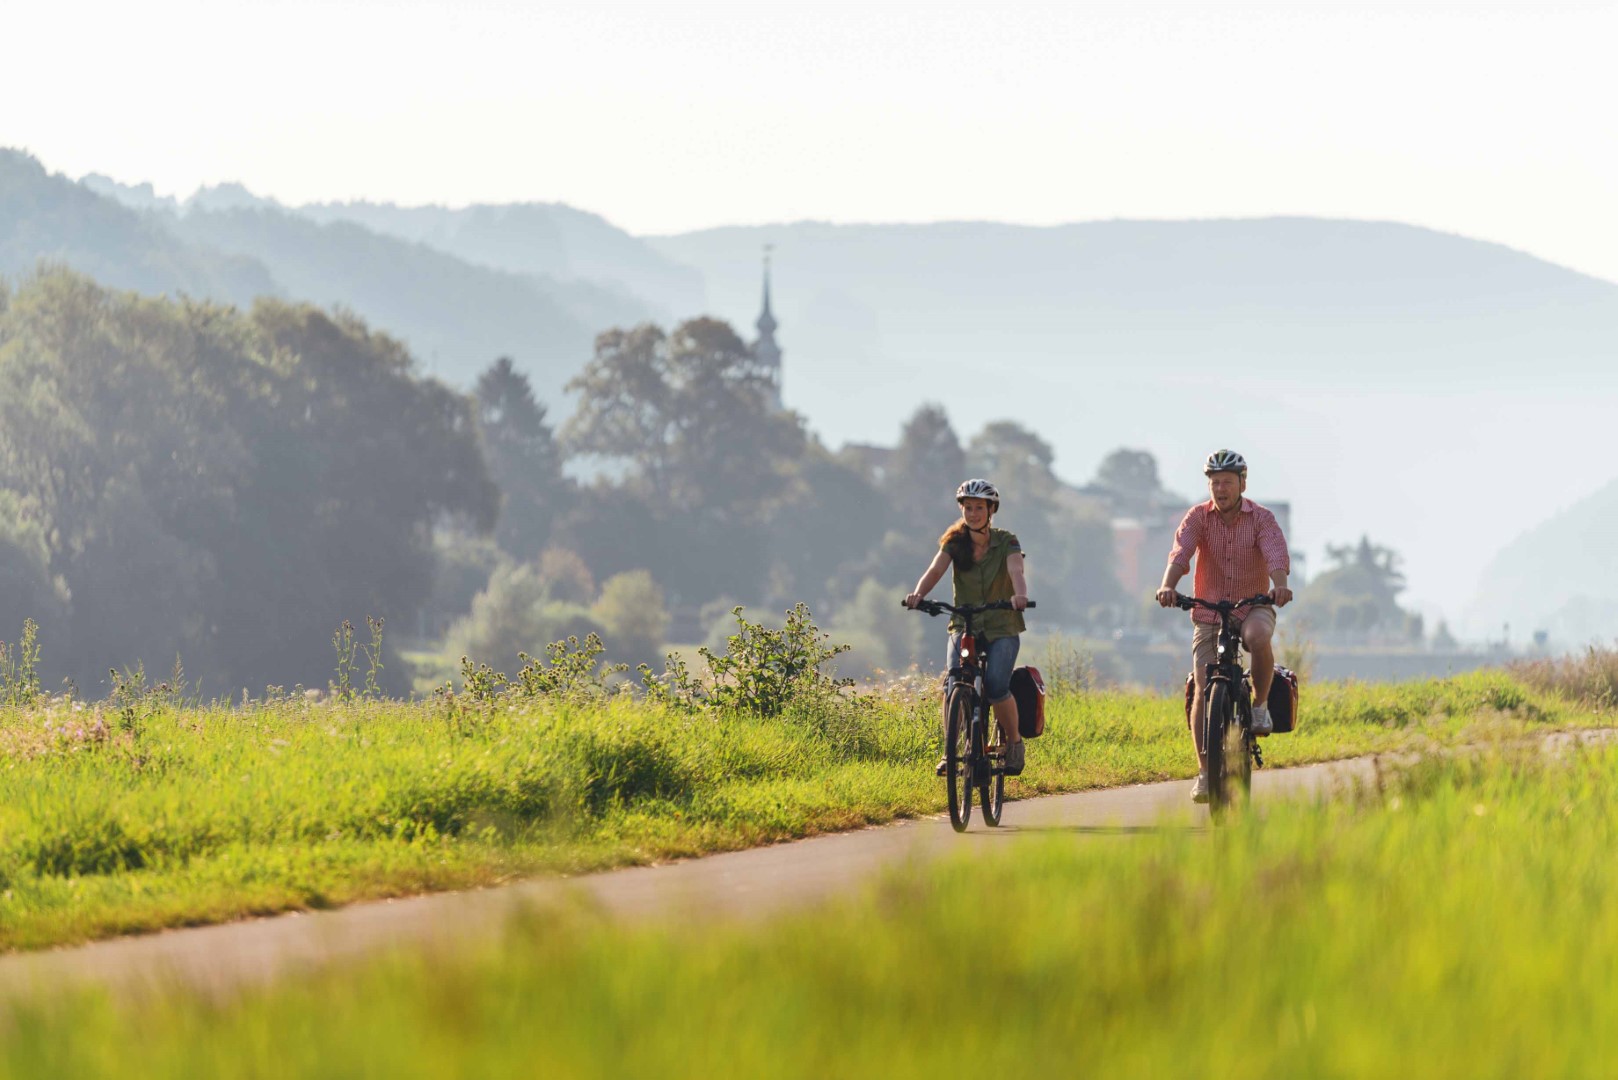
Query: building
765	349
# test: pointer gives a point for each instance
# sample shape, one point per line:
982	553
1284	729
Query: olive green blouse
987	582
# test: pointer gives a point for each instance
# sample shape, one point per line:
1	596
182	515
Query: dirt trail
743	884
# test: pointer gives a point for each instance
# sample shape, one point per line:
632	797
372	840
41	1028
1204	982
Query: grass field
168	815
1458	923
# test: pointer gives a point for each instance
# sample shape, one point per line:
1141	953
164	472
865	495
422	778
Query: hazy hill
1550	578
457	317
1385	378
536	238
228	244
49	217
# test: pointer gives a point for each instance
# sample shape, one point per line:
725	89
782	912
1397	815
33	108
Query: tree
1015	459
632	614
1130	477
564	576
1132	472
514	615
1358	596
524	460
225	485
883	635
689	415
927	466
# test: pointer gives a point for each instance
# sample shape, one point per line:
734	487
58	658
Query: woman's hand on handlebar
911	600
1020	603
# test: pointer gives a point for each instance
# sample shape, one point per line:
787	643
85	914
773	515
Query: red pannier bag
1283	699
1028	688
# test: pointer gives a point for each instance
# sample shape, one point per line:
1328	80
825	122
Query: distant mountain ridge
549	240
225	243
536	238
51	219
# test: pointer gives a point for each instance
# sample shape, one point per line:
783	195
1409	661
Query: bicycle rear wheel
957	735
1239	757
990	751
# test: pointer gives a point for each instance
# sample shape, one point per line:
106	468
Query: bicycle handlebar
1186	603
938	607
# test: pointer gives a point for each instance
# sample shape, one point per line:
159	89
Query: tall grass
1590	678
1460	926
155	813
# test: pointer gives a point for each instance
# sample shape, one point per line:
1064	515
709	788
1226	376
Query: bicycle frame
1226	670
968	672
978	767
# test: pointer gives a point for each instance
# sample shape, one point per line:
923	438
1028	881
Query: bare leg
1195	719
1256	636
1006	713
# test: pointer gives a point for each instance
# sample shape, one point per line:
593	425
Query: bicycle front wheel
1217	723
957	740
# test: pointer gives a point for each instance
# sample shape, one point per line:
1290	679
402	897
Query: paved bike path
736	885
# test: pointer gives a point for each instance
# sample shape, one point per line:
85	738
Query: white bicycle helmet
1225	461
979	489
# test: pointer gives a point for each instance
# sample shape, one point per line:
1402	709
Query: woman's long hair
957	543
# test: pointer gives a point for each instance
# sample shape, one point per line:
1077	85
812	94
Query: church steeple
765	349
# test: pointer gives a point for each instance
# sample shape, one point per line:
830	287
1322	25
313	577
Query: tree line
185	479
180	479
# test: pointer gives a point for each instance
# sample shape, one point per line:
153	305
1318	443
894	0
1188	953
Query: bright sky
1481	119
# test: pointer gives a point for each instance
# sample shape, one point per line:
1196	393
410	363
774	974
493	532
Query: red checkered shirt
1233	561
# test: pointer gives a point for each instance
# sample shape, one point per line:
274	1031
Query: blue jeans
998	659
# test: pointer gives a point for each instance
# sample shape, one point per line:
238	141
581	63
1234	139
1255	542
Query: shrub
762	670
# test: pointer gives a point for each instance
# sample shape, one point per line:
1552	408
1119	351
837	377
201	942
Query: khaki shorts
1205	638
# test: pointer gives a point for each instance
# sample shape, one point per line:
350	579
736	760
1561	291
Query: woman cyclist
988	566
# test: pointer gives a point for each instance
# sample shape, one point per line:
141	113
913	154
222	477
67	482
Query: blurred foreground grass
118	823
1457	923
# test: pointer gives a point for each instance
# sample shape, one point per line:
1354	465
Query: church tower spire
765	349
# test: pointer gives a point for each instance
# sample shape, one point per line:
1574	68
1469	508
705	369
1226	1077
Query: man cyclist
988	567
1240	552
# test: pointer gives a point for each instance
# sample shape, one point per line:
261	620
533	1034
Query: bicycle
973	746
1228	741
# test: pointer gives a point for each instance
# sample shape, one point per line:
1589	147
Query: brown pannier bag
1028	688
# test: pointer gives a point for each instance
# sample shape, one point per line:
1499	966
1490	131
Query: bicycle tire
992	791
1216	722
1239	742
957	778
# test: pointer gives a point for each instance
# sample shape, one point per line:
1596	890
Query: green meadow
1457	922
156	813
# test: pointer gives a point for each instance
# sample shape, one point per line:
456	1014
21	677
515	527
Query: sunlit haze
1480	119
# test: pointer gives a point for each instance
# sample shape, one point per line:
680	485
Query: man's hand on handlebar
1019	603
911	600
1167	597
1280	596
